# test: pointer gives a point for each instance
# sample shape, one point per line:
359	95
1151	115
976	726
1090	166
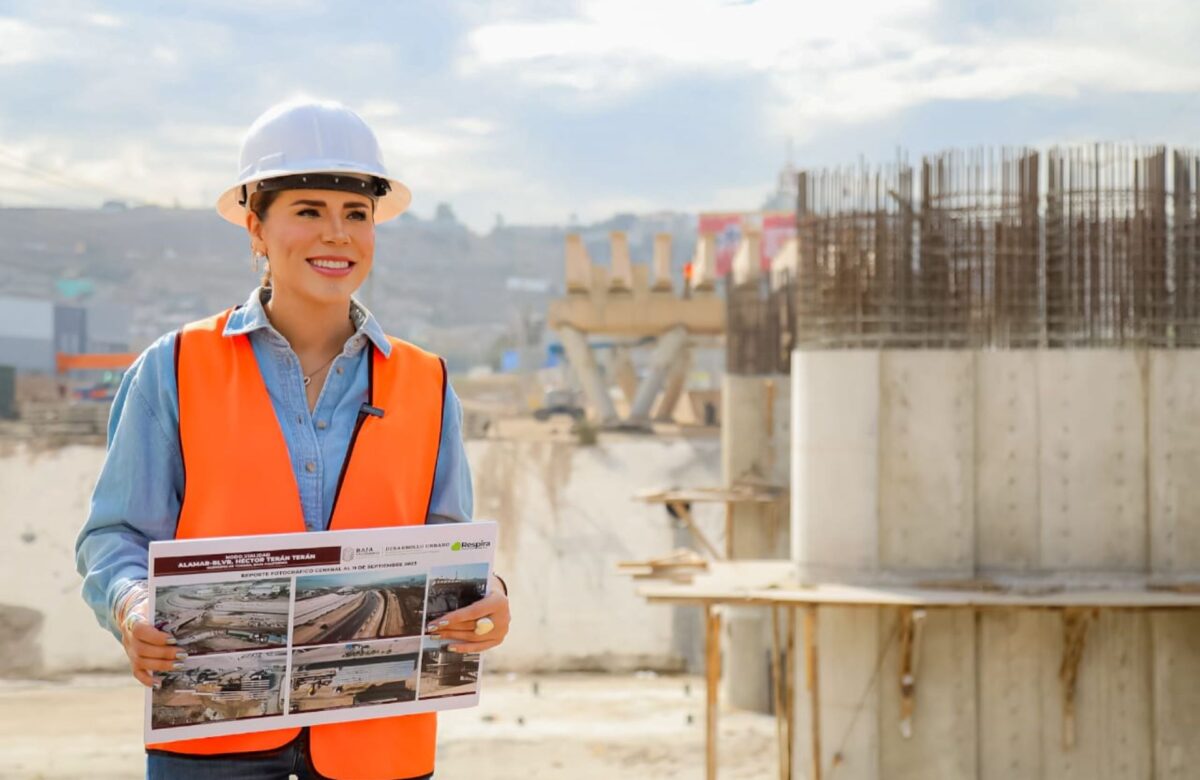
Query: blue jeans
278	764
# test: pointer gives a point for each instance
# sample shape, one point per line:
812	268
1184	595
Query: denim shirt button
341	370
310	467
321	424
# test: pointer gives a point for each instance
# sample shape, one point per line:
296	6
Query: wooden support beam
712	673
910	650
779	694
814	691
789	678
683	511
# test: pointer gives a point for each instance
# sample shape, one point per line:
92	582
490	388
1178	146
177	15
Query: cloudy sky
537	109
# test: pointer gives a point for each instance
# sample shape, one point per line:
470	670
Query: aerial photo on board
346	607
444	673
216	688
454	587
221	617
354	674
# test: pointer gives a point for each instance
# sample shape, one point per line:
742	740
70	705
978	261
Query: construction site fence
1088	246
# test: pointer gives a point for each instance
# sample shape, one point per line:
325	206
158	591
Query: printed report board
300	629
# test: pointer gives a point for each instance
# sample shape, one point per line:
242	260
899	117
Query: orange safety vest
239	481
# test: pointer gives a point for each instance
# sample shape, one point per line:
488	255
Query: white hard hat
312	145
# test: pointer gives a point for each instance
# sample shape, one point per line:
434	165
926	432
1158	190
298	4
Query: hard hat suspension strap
373	187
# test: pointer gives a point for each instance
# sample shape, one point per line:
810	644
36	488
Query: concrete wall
934	464
1070	465
45	500
567	516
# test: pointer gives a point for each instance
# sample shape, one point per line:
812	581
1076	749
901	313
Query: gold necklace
317	370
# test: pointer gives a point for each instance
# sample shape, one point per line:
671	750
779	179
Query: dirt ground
565	727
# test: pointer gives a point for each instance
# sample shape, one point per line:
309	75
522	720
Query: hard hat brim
388	207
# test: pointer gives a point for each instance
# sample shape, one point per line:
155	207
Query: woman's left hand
459	626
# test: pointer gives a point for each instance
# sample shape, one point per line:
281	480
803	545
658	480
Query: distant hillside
435	281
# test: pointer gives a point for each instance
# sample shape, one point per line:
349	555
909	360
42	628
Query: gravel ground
528	727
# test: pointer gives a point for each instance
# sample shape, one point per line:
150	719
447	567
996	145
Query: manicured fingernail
455	648
443	622
170	640
181	655
177	667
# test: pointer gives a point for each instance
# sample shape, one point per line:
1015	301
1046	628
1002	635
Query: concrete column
704	264
662	263
578	265
621	279
624	372
676	381
755	450
835	465
670	344
747	262
579	355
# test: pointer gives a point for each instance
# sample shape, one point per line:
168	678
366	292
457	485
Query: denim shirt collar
252	316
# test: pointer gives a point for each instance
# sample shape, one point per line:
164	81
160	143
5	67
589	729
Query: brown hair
260	203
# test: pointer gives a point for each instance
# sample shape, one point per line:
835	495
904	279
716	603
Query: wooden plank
1093	461
712	677
1113	708
1176	639
927	462
684	513
813	680
943	741
835	464
756	494
1174	451
847	595
1008	522
1010	725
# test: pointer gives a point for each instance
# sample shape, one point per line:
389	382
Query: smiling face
320	243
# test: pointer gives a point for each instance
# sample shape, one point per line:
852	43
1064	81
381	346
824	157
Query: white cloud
848	61
136	107
22	43
472	125
103	20
379	109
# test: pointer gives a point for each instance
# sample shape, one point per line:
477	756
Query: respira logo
470	545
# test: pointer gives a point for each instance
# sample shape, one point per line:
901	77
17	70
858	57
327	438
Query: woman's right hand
149	649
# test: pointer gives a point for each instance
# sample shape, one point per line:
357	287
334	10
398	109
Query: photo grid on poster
358	640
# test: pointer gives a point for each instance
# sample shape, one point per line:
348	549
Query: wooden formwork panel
1113	705
927	462
1008	526
1176	694
1093	460
942	745
835	462
1173	411
1011	651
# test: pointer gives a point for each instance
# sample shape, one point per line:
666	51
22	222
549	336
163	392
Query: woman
290	412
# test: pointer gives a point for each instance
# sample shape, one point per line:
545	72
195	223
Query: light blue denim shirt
137	496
